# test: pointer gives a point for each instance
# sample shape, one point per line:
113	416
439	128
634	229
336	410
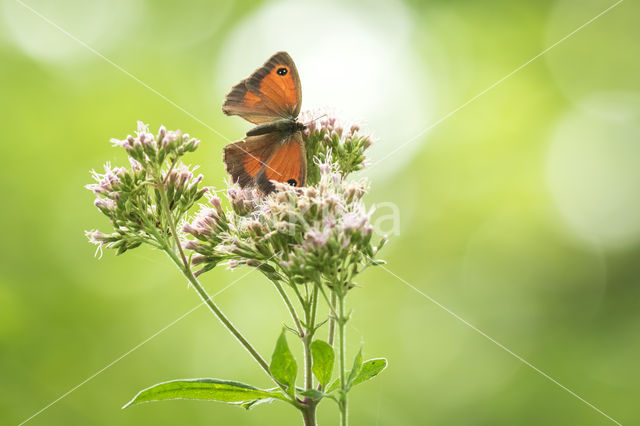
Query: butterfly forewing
273	91
240	101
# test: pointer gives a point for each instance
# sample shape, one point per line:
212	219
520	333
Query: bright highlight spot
98	23
358	62
593	170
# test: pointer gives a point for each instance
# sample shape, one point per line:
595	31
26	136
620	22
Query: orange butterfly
273	150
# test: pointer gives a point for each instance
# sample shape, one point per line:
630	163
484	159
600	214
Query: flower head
305	234
333	141
129	196
106	182
315	233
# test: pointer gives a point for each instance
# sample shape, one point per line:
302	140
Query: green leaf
323	358
357	367
312	393
203	389
283	364
250	404
369	370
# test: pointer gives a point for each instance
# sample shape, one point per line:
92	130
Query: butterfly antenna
317	118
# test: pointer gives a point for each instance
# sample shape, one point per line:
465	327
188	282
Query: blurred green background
520	212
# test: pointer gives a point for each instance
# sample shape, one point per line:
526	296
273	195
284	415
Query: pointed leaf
357	367
203	389
323	358
369	370
283	364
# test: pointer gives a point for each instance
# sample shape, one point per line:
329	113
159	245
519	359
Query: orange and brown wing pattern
258	160
273	91
248	105
244	160
288	164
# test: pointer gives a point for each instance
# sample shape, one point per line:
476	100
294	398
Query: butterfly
272	150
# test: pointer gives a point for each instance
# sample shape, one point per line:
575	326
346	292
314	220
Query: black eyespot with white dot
282	71
292	182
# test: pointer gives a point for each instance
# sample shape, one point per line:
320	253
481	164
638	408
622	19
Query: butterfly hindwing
257	160
245	159
273	91
288	164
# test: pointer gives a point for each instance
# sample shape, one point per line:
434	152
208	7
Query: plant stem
314	308
183	264
309	414
299	296
290	308
206	298
342	343
310	319
332	320
309	410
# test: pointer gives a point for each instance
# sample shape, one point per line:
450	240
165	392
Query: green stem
299	296
206	298
314	307
166	176
290	308
183	264
310	319
332	319
342	343
309	410
309	414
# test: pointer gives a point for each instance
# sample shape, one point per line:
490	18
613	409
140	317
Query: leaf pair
283	368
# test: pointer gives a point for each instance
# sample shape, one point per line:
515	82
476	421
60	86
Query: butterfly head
300	126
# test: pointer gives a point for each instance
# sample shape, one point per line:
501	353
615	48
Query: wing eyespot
292	182
271	92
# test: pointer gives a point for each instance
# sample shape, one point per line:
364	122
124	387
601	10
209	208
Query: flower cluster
130	197
152	151
300	235
327	138
316	233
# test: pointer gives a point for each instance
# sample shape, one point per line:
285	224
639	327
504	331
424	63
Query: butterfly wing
273	91
246	158
288	164
257	160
